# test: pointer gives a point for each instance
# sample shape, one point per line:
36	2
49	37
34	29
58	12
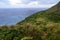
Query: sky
27	3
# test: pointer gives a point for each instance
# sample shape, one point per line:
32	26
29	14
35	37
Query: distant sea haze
10	16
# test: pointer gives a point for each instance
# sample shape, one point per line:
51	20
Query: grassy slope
44	25
48	20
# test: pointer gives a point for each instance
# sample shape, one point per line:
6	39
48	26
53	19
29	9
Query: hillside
45	20
44	25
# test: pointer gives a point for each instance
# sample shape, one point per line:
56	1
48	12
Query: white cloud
14	2
37	5
32	4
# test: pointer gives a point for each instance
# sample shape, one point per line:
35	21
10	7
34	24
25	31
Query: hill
44	25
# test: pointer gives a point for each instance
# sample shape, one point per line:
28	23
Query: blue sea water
10	16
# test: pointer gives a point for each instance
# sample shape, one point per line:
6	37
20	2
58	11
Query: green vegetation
44	25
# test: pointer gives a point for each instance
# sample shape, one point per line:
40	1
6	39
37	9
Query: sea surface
11	16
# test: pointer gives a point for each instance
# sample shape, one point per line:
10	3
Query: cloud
14	2
33	4
27	3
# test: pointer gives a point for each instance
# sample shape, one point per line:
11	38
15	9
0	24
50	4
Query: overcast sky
27	3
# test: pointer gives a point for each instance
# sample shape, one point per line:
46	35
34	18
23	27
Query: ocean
11	16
